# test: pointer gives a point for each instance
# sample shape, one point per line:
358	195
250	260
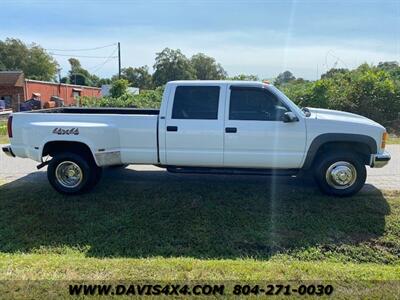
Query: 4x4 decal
61	131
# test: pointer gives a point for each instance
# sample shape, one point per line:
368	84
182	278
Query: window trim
249	88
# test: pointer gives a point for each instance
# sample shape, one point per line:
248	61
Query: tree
392	67
207	68
80	76
245	77
172	65
333	72
32	59
138	77
284	77
370	91
119	88
75	64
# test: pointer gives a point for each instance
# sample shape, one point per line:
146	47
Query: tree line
170	64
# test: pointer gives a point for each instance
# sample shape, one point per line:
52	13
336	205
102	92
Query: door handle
172	128
230	129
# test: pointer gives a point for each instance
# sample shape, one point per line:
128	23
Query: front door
194	126
255	135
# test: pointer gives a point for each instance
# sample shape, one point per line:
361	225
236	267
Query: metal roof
11	78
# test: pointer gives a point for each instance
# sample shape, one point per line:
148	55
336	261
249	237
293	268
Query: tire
98	172
340	174
70	173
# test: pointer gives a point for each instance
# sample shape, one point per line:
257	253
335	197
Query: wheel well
52	148
360	149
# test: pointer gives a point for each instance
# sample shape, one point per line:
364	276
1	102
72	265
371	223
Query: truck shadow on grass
152	213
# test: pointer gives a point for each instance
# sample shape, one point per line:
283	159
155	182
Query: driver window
255	104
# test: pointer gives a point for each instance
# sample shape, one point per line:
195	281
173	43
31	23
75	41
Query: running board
232	171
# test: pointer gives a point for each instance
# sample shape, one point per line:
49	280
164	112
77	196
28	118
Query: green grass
183	228
3	132
4	139
393	140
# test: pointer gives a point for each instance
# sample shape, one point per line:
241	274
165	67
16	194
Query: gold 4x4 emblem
61	131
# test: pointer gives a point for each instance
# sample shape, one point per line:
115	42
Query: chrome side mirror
289	117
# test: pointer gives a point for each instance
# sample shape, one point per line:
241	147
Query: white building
105	90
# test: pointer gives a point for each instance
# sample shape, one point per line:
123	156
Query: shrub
145	99
368	91
119	88
3	128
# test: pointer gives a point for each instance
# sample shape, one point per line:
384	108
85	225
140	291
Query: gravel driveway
387	178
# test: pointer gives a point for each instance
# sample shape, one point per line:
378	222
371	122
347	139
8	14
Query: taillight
9	126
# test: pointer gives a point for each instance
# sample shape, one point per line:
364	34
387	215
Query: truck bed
131	133
98	110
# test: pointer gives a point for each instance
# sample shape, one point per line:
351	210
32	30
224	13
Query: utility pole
119	60
59	74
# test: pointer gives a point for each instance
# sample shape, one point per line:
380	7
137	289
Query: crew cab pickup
229	127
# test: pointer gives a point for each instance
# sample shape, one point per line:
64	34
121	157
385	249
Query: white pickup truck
229	127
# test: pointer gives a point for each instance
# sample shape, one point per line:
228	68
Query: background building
15	89
105	90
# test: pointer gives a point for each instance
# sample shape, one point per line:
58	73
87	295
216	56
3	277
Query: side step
232	171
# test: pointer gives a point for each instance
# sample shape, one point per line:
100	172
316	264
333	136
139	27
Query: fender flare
79	142
337	137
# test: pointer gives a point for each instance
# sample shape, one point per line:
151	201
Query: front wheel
340	174
70	173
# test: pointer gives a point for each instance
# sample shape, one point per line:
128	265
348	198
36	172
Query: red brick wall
47	89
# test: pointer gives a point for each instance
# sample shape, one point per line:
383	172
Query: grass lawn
210	230
4	139
3	132
393	140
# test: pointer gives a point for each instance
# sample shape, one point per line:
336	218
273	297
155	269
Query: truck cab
230	124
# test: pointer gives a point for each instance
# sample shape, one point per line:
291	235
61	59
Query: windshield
293	106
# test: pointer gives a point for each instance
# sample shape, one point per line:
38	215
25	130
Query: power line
99	66
95	68
85	49
73	55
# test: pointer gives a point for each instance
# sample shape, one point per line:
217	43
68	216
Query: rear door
255	134
194	125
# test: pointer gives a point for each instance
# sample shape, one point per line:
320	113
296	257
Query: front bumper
7	150
379	160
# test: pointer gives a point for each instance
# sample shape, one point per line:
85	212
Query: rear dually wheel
71	173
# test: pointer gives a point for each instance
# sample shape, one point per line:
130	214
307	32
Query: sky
251	37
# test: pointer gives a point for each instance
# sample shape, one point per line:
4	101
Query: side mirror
289	117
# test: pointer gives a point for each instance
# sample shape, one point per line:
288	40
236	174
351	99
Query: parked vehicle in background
229	127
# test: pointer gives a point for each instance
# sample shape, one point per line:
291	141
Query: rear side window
255	104
196	102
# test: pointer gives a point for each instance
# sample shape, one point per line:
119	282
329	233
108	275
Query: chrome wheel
69	174
341	175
